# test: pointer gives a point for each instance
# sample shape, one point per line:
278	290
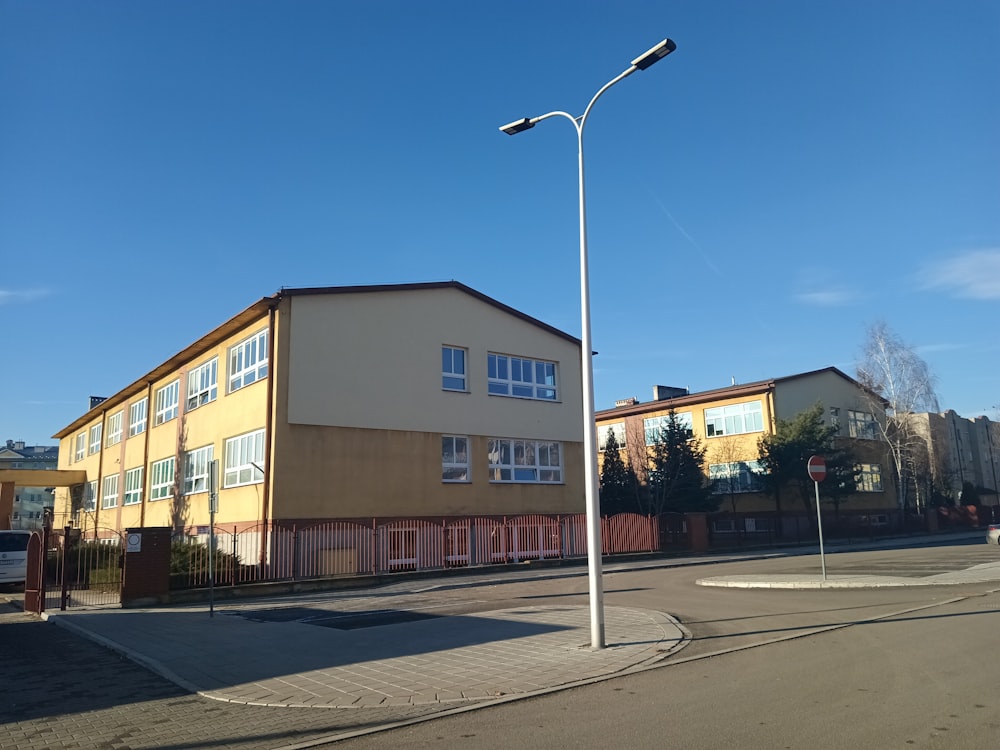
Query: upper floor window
81	446
248	361
617	429
453	369
95	438
868	477
202	384
115	428
522	377
653	426
137	417
196	469
161	479
734	477
734	419
525	461
90	496
454	458
165	402
245	459
109	497
133	486
861	424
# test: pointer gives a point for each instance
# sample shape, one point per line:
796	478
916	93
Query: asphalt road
809	669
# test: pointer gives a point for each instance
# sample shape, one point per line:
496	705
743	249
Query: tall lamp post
642	62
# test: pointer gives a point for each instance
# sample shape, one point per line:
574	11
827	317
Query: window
248	361
653	426
109	497
137	417
95	438
618	429
196	470
133	486
202	384
521	377
115	429
868	477
162	475
734	477
81	446
166	402
861	424
454	458
453	369
90	496
524	461
241	454
734	419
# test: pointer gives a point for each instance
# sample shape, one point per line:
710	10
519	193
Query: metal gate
84	569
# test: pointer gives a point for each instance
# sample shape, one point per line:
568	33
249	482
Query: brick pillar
6	504
697	524
147	566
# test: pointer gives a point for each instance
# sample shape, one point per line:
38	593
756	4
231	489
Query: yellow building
730	421
343	402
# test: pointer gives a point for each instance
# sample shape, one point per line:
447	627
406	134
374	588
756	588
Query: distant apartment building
29	503
962	451
408	400
730	421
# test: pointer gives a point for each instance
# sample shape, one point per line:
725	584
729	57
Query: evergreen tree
619	484
677	478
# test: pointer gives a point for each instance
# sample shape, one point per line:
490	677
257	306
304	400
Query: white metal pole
819	527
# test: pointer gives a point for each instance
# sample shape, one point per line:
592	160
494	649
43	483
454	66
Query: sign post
816	466
213	506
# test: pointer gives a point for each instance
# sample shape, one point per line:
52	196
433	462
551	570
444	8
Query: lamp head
655	54
518	126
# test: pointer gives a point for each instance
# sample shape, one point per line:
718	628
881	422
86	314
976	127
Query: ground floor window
162	479
196	469
454	458
525	461
868	477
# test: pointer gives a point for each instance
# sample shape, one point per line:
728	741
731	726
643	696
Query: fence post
295	551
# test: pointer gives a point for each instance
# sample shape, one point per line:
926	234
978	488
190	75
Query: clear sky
794	172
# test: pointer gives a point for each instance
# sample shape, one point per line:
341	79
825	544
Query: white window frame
868	478
90	496
618	428
81	447
109	492
861	425
165	401
525	461
522	377
203	384
196	469
137	417
248	361
161	479
455	464
454	373
95	438
735	477
115	428
734	419
242	452
651	426
133	486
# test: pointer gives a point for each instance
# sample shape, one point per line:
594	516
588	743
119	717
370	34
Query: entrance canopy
11	478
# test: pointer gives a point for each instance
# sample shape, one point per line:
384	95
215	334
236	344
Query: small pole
819	526
213	501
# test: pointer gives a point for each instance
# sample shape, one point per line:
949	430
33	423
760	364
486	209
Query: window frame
868	478
137	422
448	370
603	430
738	470
501	380
197	460
134	480
114	429
238	377
109	492
240	442
90	493
510	471
202	384
651	426
860	422
164	412
80	450
455	465
162	489
96	433
728	412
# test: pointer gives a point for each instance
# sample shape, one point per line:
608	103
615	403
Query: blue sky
794	172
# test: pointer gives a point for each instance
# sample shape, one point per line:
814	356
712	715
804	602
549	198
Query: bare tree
179	505
899	384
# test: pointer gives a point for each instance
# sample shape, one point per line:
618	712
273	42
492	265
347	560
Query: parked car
14	556
993	533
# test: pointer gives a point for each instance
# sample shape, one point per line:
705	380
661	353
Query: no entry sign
816	465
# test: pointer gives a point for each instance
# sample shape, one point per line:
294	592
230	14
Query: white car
993	533
14	556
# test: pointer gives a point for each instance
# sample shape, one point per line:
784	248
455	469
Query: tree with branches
619	484
677	478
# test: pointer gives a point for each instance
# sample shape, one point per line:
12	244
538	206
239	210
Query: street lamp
642	62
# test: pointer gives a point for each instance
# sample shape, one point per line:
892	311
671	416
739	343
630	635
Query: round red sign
816	465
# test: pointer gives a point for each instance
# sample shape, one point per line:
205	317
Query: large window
133	486
653	426
736	476
109	497
734	419
525	461
115	428
454	458
861	424
868	477
81	446
95	438
617	429
245	459
202	384
248	361
166	402
521	377
162	479
453	369
137	417
196	469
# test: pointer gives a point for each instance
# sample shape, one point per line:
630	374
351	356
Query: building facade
962	451
408	400
29	503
